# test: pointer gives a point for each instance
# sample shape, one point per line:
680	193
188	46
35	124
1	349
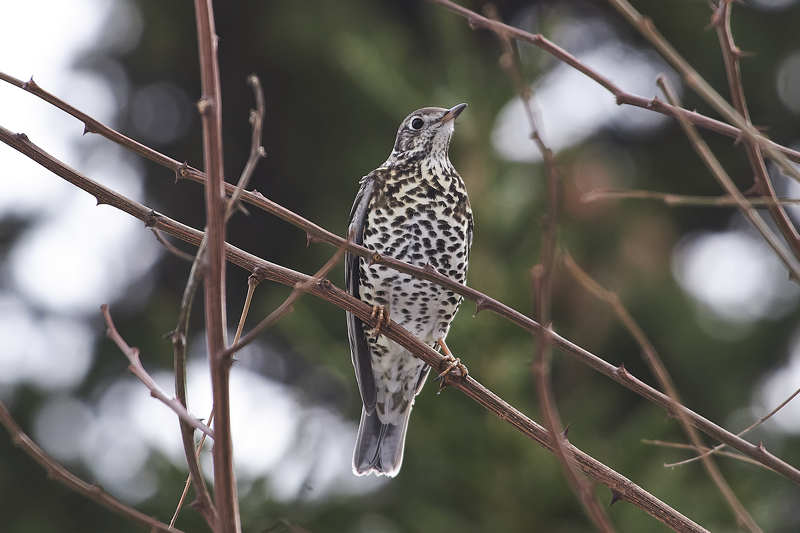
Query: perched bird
414	208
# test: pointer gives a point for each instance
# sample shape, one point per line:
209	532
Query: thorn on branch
204	105
480	305
21	137
615	497
30	85
622	372
152	219
181	171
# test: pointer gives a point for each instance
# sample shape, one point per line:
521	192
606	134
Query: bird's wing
359	349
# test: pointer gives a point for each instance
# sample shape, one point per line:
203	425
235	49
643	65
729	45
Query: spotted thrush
414	207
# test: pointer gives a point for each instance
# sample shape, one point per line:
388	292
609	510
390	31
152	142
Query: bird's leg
382	312
452	362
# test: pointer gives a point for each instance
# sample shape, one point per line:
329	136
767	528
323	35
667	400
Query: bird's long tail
379	446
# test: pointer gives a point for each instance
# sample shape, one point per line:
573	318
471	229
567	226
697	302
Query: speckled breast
420	215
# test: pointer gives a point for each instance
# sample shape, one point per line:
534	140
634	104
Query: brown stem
675	200
57	471
716	169
705	451
658	368
210	106
694	80
288	277
775	151
730	56
326	290
542	282
151	218
138	370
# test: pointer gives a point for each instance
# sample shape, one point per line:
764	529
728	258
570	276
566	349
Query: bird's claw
452	363
382	314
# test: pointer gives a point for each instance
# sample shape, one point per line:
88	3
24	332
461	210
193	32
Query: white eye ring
416	123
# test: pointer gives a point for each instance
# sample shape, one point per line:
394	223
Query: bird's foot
382	313
452	363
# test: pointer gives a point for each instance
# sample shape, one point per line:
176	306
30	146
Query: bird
415	208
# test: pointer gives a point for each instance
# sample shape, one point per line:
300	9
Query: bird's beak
453	112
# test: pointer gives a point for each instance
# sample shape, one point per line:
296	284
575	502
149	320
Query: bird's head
426	132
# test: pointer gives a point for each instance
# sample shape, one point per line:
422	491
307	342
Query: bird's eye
417	123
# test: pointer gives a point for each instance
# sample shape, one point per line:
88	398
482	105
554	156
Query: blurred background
338	77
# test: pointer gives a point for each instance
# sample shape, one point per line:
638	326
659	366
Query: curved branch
326	290
57	471
619	374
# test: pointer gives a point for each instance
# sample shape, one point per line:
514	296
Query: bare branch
746	430
57	471
678	200
256	150
210	106
705	451
775	150
286	306
722	177
326	290
701	86
138	370
730	55
542	282
170	248
658	368
288	277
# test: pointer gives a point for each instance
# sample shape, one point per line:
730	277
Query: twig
170	248
285	276
188	482
138	370
746	430
58	472
730	55
622	97
179	335
658	368
542	282
286	306
701	86
713	164
704	449
317	233
256	150
328	291
210	106
678	200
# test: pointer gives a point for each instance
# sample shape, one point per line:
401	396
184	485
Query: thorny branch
676	200
776	151
57	471
704	450
619	374
658	368
210	106
326	290
731	55
179	335
138	370
727	183
746	430
701	86
542	282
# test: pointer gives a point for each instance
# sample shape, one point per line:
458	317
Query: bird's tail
379	446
